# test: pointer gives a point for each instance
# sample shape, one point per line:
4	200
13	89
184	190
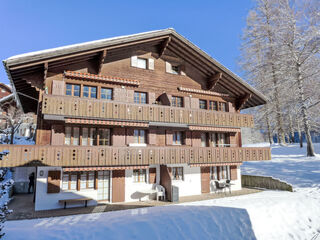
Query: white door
103	185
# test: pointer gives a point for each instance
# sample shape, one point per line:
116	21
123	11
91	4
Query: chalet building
119	116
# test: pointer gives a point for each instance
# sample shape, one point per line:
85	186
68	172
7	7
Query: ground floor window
177	173
78	180
220	173
139	175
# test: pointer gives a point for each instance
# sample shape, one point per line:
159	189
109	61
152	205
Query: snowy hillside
265	215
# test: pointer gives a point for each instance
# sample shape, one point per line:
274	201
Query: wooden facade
173	70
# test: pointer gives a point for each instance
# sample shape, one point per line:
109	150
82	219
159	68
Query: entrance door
205	179
118	185
103	185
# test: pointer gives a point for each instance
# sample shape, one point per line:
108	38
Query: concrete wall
191	185
45	201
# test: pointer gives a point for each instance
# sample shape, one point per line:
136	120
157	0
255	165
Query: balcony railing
104	109
28	155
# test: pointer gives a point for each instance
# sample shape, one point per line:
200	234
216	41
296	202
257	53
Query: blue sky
215	26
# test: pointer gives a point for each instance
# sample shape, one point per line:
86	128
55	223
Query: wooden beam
45	71
164	46
101	59
213	80
240	102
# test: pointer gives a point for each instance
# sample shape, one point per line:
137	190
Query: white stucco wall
134	191
45	201
191	185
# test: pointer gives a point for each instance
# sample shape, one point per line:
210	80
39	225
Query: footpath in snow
265	215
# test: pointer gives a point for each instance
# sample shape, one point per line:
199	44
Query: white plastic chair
161	192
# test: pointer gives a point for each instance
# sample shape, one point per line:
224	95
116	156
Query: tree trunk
268	125
300	135
12	134
291	136
304	113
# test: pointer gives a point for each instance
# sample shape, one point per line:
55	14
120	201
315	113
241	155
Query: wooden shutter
218	172
152	175
152	137
151	64
118	185
129	136
205	179
54	178
58	87
168	67
130	96
119	94
188	140
134	61
233	173
186	101
169	140
57	135
151	97
194	103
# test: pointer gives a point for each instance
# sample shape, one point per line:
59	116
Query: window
73	90
89	136
67	136
213	140
175	69
213	173
140	97
203	104
89	92
176	101
142	63
70	180
104	136
139	136
177	138
139	175
106	93
213	105
220	173
204	140
223	106
86	180
76	136
221	139
177	173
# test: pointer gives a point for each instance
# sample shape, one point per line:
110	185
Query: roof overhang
17	65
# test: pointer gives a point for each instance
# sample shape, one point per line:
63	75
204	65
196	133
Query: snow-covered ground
265	215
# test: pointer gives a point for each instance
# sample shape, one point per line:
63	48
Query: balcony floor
23	206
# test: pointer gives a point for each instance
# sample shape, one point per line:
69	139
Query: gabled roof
173	41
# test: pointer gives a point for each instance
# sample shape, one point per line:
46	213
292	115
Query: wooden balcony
33	155
103	109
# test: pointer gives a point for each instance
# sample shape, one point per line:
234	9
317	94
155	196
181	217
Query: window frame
175	135
138	96
139	175
174	101
139	59
176	174
92	138
73	89
139	136
90	87
201	102
106	93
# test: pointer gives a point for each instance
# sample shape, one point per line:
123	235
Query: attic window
175	69
142	63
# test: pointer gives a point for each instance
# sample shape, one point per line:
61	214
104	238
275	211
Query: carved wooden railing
106	109
33	155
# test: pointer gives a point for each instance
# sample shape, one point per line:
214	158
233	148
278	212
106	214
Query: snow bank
168	222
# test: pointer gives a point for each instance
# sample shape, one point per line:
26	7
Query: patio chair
161	192
220	186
